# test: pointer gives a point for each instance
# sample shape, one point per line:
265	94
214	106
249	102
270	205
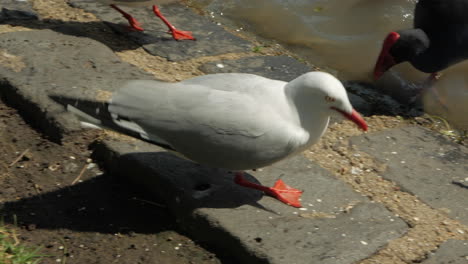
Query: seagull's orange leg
280	190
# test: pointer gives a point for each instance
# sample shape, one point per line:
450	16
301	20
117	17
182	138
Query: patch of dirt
55	196
60	10
12	28
13	62
168	71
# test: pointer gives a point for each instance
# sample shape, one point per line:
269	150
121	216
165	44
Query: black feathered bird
438	40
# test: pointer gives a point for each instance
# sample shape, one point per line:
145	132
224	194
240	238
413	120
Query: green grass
257	49
12	252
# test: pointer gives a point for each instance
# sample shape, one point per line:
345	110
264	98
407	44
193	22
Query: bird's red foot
435	76
428	85
280	190
176	34
133	23
181	35
285	193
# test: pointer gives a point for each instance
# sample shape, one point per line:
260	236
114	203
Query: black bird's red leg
176	34
134	24
428	85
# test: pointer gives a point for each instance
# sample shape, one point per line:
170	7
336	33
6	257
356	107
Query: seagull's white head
322	92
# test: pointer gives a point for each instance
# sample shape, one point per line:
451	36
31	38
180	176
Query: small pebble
355	171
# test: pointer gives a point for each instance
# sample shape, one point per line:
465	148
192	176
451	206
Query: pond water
344	37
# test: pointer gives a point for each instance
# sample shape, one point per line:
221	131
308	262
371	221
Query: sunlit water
342	35
345	37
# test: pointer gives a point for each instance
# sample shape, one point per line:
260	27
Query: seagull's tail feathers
95	114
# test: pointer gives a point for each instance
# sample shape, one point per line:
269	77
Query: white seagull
134	24
235	121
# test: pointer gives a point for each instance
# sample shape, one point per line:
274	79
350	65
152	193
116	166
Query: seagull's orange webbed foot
181	35
280	190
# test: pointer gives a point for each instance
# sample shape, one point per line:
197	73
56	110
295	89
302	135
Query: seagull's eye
330	99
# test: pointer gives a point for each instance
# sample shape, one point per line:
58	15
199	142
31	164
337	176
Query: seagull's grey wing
175	106
203	124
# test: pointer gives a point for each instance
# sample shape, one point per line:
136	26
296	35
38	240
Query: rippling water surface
345	37
342	35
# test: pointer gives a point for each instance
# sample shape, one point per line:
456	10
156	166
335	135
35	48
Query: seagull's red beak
385	60
355	117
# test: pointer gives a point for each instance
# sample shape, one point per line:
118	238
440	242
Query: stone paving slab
425	164
211	38
338	226
34	64
16	9
450	252
283	67
379	103
345	227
